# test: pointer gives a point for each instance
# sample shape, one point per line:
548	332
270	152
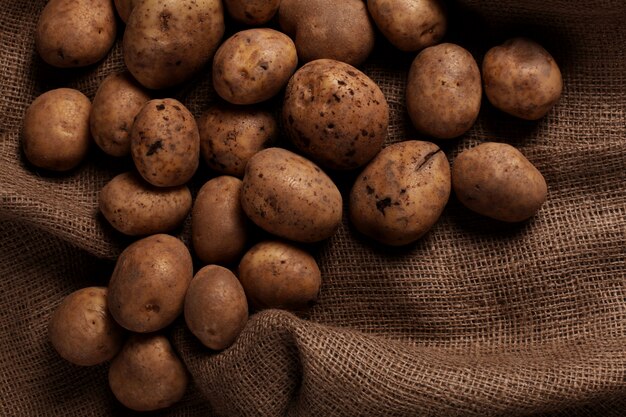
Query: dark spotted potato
252	12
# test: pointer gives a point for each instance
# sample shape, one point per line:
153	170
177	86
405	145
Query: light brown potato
252	12
279	275
75	33
166	42
118	100
81	329
55	133
497	181
289	196
216	309
410	25
335	114
165	143
147	374
443	91
135	208
521	78
124	7
148	285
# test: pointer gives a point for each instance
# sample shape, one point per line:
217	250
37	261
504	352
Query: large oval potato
252	12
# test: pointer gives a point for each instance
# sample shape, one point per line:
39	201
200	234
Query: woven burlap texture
476	319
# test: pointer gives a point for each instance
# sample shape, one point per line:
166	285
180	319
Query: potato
135	208
401	194
497	181
55	133
147	375
124	7
166	42
75	33
230	135
118	100
443	91
216	309
521	78
253	65
340	30
335	114
252	12
289	196
81	329
148	285
165	143
279	275
410	25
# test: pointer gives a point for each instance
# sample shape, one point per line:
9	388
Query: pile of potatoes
335	118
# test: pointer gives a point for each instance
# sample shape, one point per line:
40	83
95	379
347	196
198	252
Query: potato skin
497	181
148	285
401	194
81	329
55	132
147	375
521	78
252	12
216	309
289	196
279	275
134	207
124	7
443	92
335	114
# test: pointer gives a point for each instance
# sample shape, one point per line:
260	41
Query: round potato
81	329
443	91
335	114
165	143
147	375
75	33
56	129
135	208
216	309
401	194
497	181
118	100
252	12
148	285
124	7
521	78
279	275
289	196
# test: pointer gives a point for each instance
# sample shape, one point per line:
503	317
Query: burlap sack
476	319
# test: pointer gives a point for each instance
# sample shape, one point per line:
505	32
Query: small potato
216	309
289	196
279	275
75	33
148	285
400	195
124	7
497	181
135	208
81	329
230	135
335	114
56	129
252	12
147	375
165	143
443	91
521	78
118	100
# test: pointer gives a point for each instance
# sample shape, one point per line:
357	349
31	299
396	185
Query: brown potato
443	91
252	12
289	196
165	143
279	275
81	329
401	194
335	114
124	7
497	181
521	78
56	129
148	285
216	309
147	375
